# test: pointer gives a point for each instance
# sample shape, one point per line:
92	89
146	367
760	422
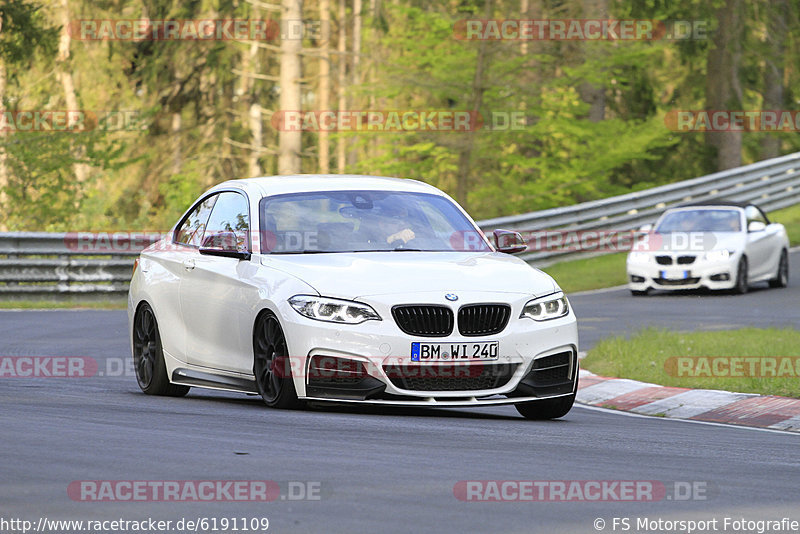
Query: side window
752	213
231	214
191	230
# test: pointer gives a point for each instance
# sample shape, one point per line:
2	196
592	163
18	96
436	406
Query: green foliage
193	103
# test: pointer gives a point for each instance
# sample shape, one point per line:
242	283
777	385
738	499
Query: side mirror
223	244
645	228
756	226
509	242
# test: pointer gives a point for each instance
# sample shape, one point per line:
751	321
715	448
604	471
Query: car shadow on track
255	402
705	292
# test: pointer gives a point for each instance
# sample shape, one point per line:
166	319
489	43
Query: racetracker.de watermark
47	367
71	121
193	490
726	120
581	490
377	121
733	366
580	30
196	29
462	240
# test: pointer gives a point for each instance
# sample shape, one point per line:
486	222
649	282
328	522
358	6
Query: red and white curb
746	409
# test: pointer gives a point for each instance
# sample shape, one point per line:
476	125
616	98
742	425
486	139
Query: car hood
363	274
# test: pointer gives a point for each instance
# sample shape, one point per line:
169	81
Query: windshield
700	221
364	221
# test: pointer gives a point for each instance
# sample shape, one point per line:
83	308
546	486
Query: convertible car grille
483	319
424	320
679	282
664	260
685	260
449	377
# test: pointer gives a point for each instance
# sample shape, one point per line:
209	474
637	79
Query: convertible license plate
445	352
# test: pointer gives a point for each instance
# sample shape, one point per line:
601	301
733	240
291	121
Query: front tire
148	356
639	293
782	276
546	409
741	278
272	365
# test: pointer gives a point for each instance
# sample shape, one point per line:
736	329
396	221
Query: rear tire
546	409
148	356
272	365
741	278
782	276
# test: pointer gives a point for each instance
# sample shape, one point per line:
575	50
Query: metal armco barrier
52	266
772	184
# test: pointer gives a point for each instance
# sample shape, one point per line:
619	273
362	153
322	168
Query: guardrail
772	184
51	266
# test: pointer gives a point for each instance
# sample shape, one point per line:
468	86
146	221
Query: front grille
686	260
664	260
552	369
449	377
483	319
679	282
424	320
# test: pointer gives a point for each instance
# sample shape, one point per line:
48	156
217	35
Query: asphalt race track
373	471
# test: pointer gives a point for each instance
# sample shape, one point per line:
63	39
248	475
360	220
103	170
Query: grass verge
589	273
609	270
687	359
66	304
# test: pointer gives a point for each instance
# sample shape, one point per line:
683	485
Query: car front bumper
536	360
699	274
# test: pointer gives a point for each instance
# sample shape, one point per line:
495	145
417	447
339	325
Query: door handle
188	265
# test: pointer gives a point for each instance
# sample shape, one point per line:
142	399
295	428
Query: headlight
333	310
546	308
638	257
717	255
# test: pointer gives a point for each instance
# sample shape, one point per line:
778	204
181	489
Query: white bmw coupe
349	289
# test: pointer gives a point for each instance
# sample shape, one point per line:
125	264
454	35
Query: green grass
609	270
589	273
67	304
651	355
790	218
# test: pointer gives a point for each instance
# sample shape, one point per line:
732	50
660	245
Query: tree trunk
289	143
723	85
777	16
476	99
352	155
341	141
593	95
64	75
324	102
3	155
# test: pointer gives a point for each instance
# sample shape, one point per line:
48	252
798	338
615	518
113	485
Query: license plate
683	275
445	352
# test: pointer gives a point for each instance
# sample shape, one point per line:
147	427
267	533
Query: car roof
301	183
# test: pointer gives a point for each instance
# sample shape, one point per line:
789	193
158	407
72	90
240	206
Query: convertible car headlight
546	308
638	257
717	255
333	310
